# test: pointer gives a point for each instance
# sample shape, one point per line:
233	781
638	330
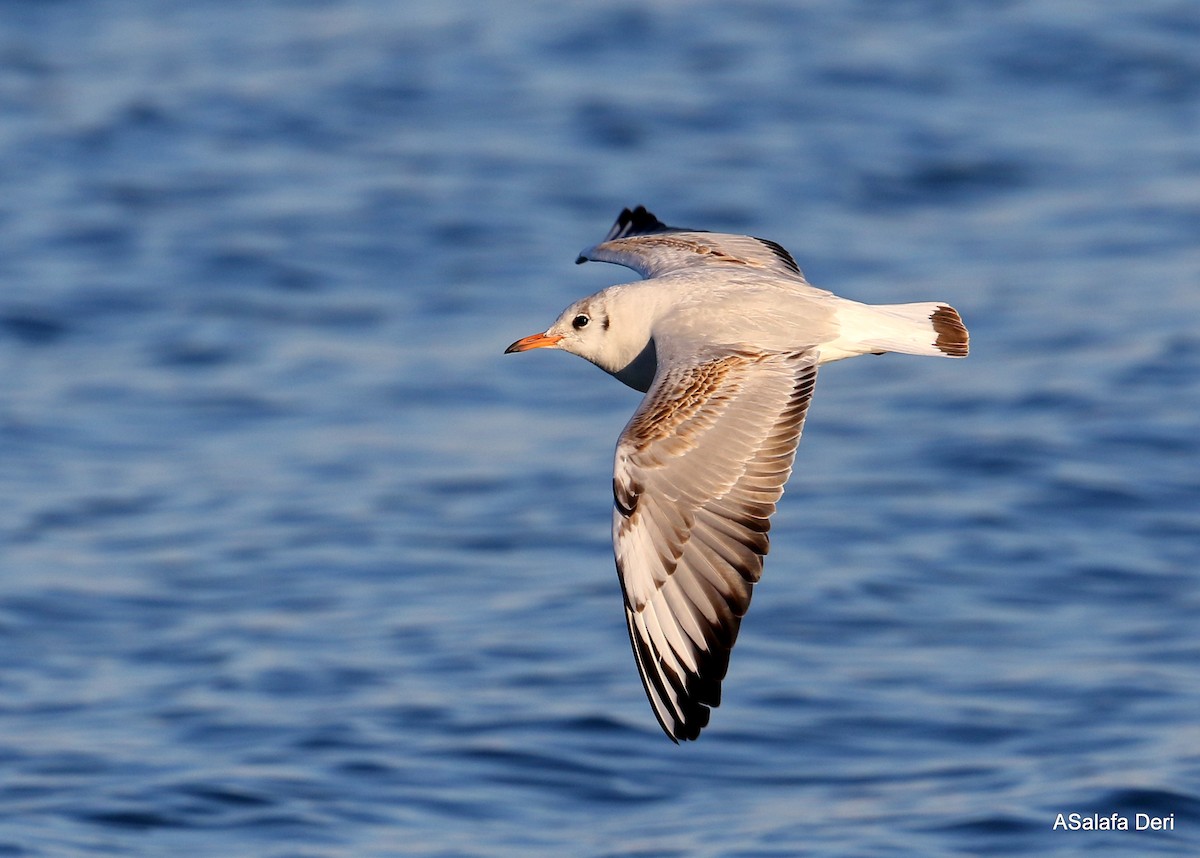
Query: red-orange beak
533	341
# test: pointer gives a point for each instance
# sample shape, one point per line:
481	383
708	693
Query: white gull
724	336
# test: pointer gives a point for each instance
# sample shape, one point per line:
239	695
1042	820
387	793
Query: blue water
293	562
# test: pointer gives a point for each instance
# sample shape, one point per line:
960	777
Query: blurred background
293	562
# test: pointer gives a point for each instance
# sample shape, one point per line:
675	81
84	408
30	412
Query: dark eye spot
580	321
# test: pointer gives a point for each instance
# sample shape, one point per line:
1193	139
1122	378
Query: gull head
610	329
583	329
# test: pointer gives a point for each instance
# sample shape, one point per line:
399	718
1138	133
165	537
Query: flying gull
724	336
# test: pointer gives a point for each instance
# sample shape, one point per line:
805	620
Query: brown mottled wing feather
698	472
640	241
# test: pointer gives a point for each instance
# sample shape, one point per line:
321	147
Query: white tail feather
933	329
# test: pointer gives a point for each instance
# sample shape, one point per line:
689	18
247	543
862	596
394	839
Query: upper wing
640	241
698	472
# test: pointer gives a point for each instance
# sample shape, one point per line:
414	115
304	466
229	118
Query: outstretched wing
698	472
640	241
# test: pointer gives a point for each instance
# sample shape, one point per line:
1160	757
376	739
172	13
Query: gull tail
933	329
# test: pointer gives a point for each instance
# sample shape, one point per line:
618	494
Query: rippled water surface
293	562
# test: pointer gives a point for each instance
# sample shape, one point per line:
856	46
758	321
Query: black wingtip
581	259
636	221
640	220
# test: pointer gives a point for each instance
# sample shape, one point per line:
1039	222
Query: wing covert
698	472
640	241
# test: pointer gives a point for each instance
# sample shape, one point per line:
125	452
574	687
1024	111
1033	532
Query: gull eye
580	321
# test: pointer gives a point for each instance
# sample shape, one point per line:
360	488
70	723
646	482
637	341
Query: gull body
724	335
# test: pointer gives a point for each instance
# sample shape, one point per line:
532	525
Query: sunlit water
293	562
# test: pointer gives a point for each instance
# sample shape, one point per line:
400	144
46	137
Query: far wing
698	472
640	241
